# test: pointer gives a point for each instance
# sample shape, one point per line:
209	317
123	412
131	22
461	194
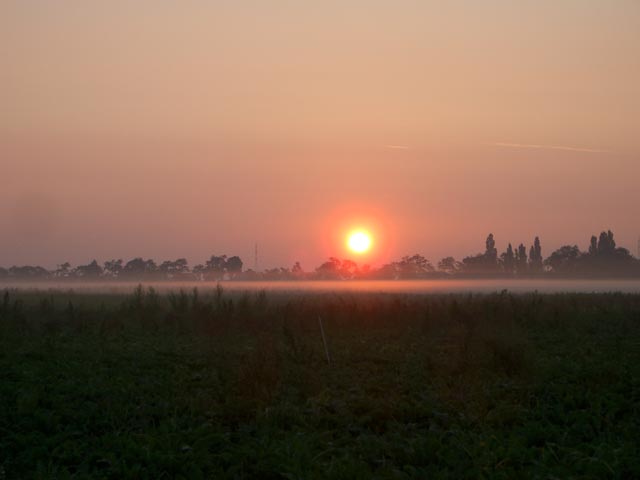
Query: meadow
231	384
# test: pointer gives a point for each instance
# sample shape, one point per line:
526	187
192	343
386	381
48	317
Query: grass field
238	385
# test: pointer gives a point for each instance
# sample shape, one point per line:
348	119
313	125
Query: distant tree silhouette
364	272
606	244
63	270
535	257
28	272
475	263
415	266
564	260
329	270
521	260
508	260
388	271
234	266
297	271
140	268
215	267
251	275
593	246
449	265
486	262
279	274
491	251
112	268
605	258
198	271
89	271
348	269
176	270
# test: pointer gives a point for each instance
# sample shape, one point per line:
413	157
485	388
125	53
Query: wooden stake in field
324	341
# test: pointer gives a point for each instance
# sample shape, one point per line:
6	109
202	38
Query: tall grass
216	384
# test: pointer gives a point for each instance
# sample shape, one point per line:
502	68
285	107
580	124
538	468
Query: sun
359	241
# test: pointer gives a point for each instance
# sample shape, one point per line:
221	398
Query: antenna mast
255	258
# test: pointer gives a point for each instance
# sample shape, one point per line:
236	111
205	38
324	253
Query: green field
237	385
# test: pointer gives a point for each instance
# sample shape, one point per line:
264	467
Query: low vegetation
238	385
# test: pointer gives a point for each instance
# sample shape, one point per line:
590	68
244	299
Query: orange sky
168	129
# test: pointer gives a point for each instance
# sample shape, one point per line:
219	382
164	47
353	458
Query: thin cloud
398	147
549	147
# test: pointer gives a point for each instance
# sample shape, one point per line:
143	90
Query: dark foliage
603	259
236	385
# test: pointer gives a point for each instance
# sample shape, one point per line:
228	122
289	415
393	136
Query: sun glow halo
359	241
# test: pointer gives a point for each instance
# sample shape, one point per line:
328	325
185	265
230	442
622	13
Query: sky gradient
166	129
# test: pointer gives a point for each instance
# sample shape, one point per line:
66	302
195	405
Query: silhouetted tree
606	244
177	270
491	252
28	272
364	272
63	270
415	266
234	266
198	271
329	270
449	265
215	267
593	246
605	258
535	257
389	271
296	271
90	271
476	263
521	260
139	268
508	260
348	269
112	268
486	262
251	275
279	273
564	260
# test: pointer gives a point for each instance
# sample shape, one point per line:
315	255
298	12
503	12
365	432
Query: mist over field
341	287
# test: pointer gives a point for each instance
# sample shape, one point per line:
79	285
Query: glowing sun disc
359	242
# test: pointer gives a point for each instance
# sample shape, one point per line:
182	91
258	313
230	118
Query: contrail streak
398	147
549	147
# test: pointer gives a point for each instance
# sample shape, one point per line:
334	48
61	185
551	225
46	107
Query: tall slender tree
508	260
535	256
521	260
491	253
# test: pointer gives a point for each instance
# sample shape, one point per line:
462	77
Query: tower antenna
255	258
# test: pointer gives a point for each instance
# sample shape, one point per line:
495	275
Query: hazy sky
165	128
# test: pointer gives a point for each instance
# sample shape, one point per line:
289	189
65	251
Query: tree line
603	258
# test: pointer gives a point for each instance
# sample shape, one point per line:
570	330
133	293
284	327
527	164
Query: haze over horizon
185	129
